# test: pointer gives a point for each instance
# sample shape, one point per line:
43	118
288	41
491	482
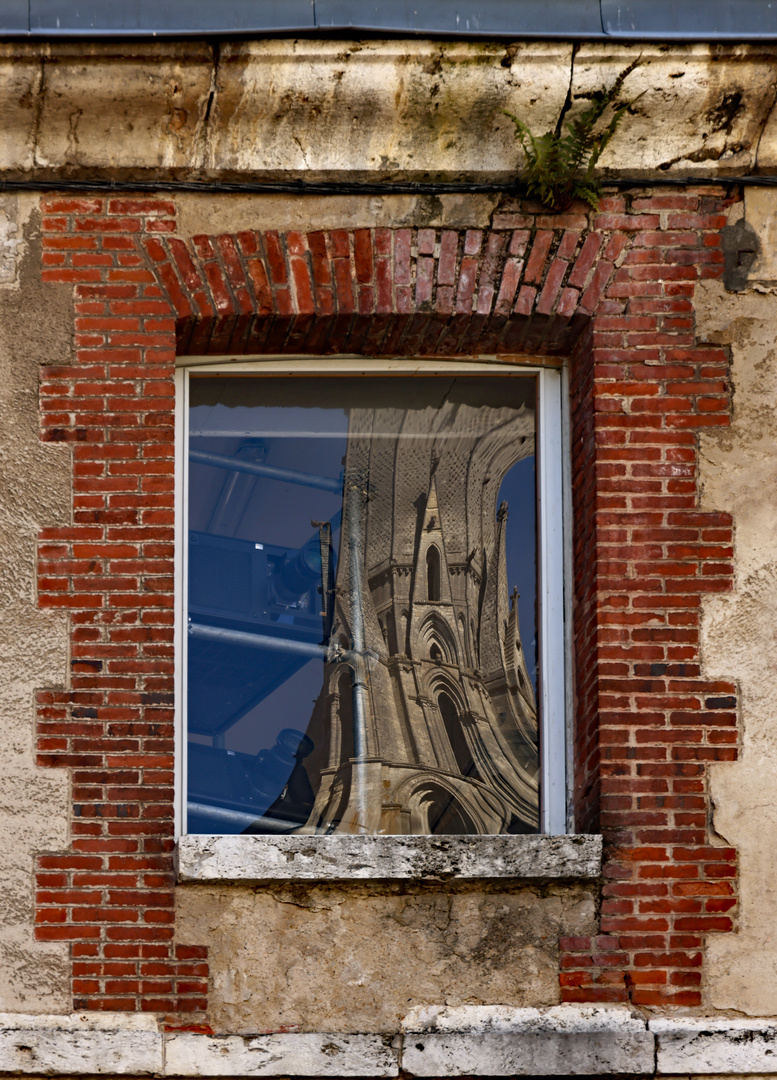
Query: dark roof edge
587	20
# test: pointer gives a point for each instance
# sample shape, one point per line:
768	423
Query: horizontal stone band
492	1040
328	109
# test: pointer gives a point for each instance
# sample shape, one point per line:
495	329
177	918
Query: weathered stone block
116	1044
126	107
706	1045
709	102
280	1055
738	470
497	1041
412	108
35	484
20	78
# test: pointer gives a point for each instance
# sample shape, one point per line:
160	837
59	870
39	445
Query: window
371	599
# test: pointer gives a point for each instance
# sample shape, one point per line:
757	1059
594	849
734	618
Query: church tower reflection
427	721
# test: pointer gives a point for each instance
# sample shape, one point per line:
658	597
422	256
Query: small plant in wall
560	165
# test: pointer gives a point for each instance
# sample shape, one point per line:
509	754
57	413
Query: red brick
552	285
597	285
585	260
525	301
424	281
362	251
303	288
150	207
446	267
535	262
567	305
105	224
426	241
322	274
473	239
511	274
402	257
56	204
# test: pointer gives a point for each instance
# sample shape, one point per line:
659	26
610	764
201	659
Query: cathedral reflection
355	652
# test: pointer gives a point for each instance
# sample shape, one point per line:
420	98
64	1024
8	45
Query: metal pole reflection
257	641
271	472
220	816
355	498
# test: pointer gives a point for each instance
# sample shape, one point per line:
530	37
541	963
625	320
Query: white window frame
553	546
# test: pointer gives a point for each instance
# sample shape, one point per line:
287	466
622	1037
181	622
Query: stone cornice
407	110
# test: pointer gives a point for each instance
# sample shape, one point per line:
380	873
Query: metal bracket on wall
741	248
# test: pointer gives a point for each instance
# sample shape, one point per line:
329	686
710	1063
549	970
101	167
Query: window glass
362	628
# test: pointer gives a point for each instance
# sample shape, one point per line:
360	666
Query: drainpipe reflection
356	491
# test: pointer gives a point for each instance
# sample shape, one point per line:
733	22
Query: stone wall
673	392
622	283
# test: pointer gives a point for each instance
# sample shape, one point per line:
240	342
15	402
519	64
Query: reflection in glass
357	601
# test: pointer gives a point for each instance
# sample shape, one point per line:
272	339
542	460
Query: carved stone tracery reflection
451	720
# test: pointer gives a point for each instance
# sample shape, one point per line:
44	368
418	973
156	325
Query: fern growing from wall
561	167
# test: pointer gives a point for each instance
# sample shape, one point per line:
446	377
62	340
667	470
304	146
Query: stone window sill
253	860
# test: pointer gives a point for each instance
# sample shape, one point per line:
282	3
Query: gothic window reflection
362	642
433	574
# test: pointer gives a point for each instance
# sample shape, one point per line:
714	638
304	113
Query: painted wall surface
358	958
36	327
739	470
214	213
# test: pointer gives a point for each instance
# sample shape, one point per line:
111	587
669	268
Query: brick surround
614	293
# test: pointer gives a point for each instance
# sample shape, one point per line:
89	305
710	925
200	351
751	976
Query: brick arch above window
380	292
